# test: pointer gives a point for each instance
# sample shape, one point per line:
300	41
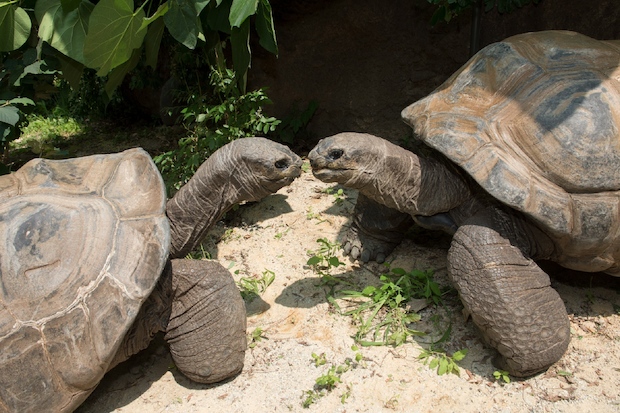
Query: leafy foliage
112	36
328	381
252	287
296	122
15	26
324	258
442	362
448	9
25	75
379	312
256	336
381	316
215	117
502	376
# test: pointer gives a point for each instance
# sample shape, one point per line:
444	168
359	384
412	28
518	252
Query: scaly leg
507	295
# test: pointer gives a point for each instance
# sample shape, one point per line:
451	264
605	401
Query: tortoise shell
84	242
535	120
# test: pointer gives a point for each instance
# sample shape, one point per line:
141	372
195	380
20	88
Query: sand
298	321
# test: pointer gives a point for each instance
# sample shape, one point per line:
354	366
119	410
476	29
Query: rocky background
363	61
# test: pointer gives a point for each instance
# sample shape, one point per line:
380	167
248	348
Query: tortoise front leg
207	327
375	231
507	295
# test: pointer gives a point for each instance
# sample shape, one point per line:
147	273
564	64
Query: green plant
328	381
338	194
43	133
324	259
310	215
319	359
380	316
305	167
213	118
331	378
111	36
310	397
26	76
281	234
10	117
252	287
255	337
200	253
441	361
448	9
501	375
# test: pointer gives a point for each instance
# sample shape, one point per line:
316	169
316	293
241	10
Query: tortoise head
351	159
258	166
247	169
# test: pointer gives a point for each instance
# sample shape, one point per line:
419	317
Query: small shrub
255	337
252	287
328	381
502	376
442	362
213	119
380	314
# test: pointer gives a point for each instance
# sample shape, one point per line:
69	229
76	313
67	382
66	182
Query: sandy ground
276	235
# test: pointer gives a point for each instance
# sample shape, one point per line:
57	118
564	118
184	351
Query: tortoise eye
336	154
281	164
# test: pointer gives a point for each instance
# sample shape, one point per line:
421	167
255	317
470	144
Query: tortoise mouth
330	175
284	181
274	184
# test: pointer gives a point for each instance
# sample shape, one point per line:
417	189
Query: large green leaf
21	101
264	27
183	22
115	29
65	31
161	10
69	5
14	26
9	115
241	53
71	71
217	17
241	10
5	131
152	42
116	76
200	5
37	68
46	12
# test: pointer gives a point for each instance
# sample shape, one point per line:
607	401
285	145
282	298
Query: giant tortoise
89	269
528	168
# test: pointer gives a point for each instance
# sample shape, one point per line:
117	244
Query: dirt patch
298	321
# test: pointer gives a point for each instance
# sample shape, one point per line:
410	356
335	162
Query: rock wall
363	61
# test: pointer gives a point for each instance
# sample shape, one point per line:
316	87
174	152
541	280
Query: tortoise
527	140
91	268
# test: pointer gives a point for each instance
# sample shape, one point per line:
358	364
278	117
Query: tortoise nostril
336	154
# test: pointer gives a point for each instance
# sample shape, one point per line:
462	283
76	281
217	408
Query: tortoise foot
375	232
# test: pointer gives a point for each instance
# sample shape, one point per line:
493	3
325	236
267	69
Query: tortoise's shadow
131	379
583	293
249	213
